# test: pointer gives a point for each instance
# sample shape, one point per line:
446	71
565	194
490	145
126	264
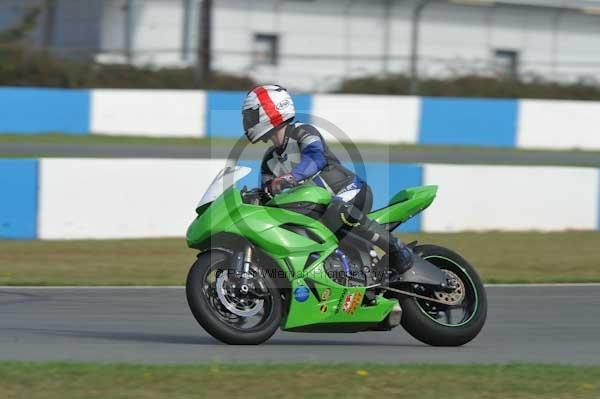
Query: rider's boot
342	214
401	257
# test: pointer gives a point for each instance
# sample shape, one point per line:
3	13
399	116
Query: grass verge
72	380
498	256
59	138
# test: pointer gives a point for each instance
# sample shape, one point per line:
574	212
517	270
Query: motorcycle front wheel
231	316
461	317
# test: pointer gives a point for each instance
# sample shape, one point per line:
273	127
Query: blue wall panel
469	122
387	179
37	110
224	117
303	104
18	198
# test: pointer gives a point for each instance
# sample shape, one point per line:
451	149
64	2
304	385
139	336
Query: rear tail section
404	205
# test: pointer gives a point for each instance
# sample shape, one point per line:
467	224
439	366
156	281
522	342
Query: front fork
242	267
247	261
242	271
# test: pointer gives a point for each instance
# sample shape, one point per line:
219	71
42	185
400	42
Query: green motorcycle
268	262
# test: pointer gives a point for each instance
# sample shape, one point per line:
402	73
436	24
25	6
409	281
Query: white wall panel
120	198
175	113
511	198
383	119
559	124
135	198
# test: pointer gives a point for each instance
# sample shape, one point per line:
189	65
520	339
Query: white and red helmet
265	108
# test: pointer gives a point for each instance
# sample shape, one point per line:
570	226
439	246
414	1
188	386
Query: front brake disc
245	307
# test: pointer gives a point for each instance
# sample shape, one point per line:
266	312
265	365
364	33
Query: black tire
422	326
203	311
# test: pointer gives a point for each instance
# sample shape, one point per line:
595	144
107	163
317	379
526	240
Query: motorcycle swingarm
424	273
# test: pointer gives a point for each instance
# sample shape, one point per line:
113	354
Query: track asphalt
487	157
545	324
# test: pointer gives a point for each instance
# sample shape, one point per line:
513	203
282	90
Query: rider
300	154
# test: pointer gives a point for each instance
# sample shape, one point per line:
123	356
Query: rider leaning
300	154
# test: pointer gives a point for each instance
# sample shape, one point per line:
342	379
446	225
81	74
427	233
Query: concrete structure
73	198
527	124
313	44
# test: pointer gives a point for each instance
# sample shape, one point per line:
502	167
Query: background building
313	44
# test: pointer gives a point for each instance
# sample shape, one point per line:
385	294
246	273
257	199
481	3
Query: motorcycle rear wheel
447	325
224	316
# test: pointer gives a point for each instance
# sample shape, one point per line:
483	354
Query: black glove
280	183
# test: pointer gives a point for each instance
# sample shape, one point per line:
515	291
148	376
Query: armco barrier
134	198
29	110
473	122
375	119
168	113
120	198
559	124
18	198
474	197
362	118
388	179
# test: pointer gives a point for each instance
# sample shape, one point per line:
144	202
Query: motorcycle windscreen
225	179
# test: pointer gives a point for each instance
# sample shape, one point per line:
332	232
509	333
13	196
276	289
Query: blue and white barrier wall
133	198
530	124
559	124
166	113
33	110
376	119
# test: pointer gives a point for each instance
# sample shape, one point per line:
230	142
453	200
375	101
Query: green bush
24	66
473	86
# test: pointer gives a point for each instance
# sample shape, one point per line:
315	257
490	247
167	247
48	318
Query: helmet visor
250	118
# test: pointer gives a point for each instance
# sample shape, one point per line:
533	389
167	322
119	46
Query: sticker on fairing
347	303
338	307
351	302
356	300
301	293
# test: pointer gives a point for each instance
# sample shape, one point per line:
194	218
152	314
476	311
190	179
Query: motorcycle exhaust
392	320
395	316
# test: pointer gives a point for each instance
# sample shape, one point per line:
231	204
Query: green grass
518	381
499	257
58	138
528	257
